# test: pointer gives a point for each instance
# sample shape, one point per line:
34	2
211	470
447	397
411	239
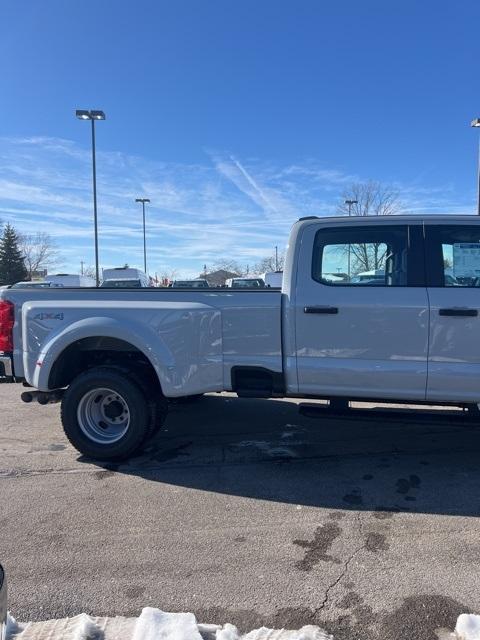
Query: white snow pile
467	628
81	627
154	624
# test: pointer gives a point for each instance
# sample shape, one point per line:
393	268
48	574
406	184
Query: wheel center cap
113	410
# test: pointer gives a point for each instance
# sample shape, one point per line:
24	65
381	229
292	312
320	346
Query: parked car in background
197	283
273	279
333	277
124	278
245	283
374	276
71	280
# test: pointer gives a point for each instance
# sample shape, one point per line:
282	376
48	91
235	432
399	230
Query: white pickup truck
116	357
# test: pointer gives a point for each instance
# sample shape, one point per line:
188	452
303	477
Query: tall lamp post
83	114
143	201
476	123
350	204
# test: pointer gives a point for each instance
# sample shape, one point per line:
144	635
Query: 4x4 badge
49	316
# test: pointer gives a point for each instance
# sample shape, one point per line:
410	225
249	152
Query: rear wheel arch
94	351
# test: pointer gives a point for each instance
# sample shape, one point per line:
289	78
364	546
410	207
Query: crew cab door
362	311
453	276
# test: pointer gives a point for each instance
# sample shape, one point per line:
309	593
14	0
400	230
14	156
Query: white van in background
273	279
245	283
124	278
70	280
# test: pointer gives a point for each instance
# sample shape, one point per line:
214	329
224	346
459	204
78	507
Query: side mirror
3	604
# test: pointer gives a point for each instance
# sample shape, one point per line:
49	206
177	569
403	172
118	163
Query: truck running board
383	414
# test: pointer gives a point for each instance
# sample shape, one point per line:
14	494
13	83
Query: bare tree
367	257
89	271
39	252
227	264
270	263
370	199
167	275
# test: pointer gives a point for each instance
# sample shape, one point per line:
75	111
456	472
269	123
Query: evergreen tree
12	264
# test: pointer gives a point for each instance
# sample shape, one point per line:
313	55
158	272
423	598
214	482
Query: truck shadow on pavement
385	461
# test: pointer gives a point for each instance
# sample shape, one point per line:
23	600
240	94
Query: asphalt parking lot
243	511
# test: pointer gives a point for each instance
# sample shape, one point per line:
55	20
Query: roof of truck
412	217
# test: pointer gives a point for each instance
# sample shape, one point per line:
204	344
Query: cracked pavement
243	511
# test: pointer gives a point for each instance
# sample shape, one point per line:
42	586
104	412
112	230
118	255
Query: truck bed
203	328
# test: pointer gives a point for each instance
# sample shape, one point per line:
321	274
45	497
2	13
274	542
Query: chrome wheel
103	416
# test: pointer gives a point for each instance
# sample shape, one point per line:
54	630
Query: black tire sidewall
116	380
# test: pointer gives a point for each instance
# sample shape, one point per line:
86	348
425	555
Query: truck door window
453	255
367	256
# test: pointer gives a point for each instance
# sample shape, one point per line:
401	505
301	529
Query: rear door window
453	255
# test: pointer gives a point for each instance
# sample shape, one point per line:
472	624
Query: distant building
218	278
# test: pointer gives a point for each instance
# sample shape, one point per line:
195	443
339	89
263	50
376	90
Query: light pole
350	203
143	201
276	258
476	123
83	114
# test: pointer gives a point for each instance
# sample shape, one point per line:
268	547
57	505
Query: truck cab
408	331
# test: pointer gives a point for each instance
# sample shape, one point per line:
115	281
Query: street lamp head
475	123
142	200
82	114
350	202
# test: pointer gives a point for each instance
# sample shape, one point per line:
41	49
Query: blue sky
235	118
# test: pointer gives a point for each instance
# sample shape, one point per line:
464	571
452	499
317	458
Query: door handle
326	310
458	311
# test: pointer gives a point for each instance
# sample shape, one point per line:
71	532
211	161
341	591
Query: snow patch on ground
468	627
11	626
82	627
154	624
310	632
